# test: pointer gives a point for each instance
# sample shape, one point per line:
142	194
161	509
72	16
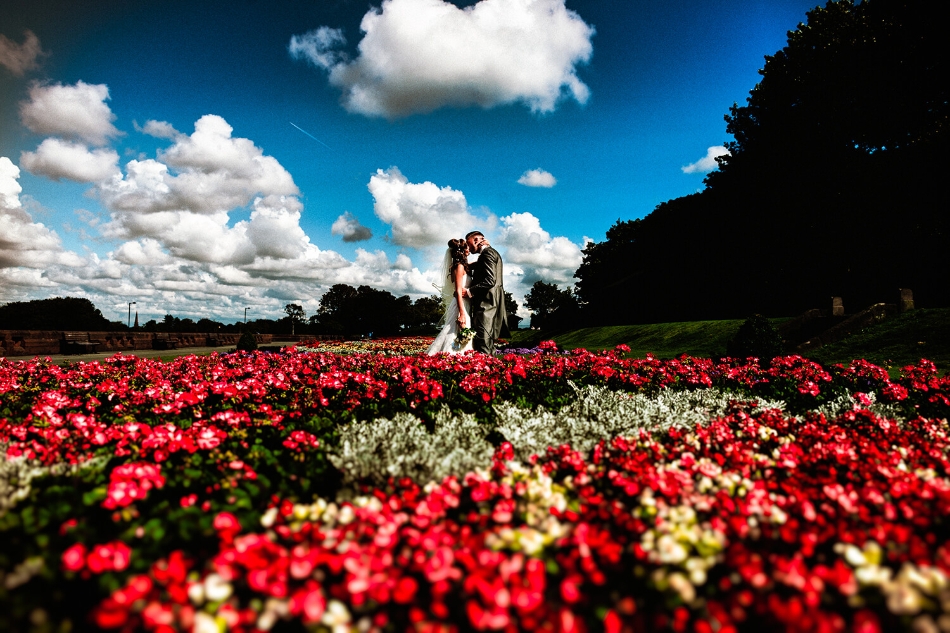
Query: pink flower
74	558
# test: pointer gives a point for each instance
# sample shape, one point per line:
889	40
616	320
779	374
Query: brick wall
42	342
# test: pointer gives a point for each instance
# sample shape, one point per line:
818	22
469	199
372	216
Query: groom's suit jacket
488	299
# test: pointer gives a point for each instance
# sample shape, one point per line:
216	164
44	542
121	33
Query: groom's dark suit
489	318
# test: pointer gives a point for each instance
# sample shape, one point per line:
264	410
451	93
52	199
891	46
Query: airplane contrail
310	135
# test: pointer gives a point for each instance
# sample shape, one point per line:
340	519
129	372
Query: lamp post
245	315
131	303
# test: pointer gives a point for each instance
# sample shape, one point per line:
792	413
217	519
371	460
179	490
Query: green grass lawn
903	340
895	342
663	340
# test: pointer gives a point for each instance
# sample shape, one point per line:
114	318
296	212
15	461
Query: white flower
337	617
205	623
216	588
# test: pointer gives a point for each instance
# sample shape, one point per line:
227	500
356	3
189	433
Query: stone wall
42	342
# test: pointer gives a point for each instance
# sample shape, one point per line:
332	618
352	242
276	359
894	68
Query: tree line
834	185
364	310
343	310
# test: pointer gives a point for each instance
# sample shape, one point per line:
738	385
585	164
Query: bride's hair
457	251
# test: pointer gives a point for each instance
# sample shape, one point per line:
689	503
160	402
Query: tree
337	308
295	314
426	312
57	313
854	80
362	310
511	309
833	185
546	302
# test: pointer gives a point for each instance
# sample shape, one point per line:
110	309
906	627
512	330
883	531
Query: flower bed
549	491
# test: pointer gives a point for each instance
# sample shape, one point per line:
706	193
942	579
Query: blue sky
200	158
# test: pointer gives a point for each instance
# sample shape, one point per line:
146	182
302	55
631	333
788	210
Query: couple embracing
474	298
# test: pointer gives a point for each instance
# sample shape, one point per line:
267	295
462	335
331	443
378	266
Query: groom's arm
488	261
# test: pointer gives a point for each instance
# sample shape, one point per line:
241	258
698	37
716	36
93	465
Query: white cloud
537	178
535	253
707	163
19	58
403	262
424	214
317	47
421	55
10	188
142	252
57	159
274	229
349	228
24	243
159	129
215	173
78	112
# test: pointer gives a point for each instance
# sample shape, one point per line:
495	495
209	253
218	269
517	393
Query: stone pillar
907	300
837	307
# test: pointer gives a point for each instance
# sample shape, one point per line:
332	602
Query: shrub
247	342
756	337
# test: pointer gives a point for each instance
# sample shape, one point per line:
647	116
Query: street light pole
131	303
245	315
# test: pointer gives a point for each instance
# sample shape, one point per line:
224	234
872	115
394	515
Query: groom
489	319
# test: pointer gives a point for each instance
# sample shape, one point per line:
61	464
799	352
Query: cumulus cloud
159	129
215	172
75	112
537	178
349	228
535	254
10	188
707	163
420	55
421	214
58	159
142	252
19	58
24	243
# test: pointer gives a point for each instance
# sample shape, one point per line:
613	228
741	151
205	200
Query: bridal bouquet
464	335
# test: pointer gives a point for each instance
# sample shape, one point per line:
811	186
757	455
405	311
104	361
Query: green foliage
551	307
511	308
756	337
247	342
348	310
814	170
380	449
58	313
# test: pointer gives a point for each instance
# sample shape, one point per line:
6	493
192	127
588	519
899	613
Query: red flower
74	558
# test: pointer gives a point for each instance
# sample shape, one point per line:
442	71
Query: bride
455	279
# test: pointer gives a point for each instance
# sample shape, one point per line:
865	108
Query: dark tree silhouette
833	185
549	304
58	313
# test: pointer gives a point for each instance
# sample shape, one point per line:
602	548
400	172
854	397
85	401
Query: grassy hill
903	340
663	340
899	341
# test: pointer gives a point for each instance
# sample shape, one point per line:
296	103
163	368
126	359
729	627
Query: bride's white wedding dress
445	341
